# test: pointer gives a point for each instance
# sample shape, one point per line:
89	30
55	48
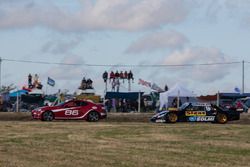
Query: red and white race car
73	109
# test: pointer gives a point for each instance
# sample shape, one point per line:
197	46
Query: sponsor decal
205	119
192	119
160	121
71	112
195	113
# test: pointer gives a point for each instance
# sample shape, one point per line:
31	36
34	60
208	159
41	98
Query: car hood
44	108
160	114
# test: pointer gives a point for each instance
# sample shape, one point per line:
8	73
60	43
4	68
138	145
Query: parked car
72	109
197	112
242	104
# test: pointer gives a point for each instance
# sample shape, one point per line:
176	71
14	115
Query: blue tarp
18	93
123	95
233	95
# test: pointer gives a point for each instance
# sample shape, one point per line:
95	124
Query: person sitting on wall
125	75
83	84
39	85
117	83
30	81
117	75
111	76
121	75
113	84
89	84
130	76
35	83
105	76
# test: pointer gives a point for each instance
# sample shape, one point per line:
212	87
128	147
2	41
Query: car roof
200	104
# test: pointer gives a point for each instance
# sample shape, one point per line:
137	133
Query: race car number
71	112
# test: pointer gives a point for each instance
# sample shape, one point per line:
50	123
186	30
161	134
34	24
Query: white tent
176	91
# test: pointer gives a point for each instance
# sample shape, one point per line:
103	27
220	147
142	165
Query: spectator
30	81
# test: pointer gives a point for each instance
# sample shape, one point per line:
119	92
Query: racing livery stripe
58	110
75	117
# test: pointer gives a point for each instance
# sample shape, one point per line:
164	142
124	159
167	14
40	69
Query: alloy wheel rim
48	116
93	116
172	117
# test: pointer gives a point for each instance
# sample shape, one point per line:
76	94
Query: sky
127	32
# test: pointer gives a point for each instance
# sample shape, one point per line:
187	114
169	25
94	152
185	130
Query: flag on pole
144	83
237	90
156	87
51	82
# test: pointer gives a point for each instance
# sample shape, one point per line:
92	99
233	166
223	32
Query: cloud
127	15
68	72
60	46
158	41
196	55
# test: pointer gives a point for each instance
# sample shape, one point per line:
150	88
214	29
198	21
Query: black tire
47	116
171	117
221	118
93	116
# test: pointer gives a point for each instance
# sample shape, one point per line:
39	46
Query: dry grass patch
67	143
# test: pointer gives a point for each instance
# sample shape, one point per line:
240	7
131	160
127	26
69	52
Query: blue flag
51	82
237	90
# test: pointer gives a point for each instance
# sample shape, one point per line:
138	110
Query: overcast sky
127	32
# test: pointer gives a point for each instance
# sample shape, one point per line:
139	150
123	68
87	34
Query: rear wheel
47	116
93	116
221	118
172	117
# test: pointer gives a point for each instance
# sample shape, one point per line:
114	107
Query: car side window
70	104
83	103
208	108
190	107
78	103
201	108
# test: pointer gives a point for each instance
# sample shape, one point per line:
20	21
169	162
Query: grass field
68	143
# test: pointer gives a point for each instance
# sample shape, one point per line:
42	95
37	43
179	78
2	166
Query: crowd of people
126	105
33	82
86	84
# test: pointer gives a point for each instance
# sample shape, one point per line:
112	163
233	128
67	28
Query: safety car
72	109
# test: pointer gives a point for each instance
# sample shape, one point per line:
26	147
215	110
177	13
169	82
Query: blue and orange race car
197	112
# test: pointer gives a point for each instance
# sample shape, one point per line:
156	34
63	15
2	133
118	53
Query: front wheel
47	116
172	117
93	116
221	118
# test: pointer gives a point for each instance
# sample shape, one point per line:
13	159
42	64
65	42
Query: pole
0	73
218	98
46	91
106	87
178	99
17	101
129	85
243	76
139	102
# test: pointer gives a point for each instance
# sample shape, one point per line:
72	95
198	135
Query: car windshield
183	106
61	104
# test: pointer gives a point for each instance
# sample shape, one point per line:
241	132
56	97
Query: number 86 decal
71	112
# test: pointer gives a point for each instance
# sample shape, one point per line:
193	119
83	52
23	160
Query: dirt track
112	117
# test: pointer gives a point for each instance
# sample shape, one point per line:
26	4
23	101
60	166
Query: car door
195	113
72	110
84	109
